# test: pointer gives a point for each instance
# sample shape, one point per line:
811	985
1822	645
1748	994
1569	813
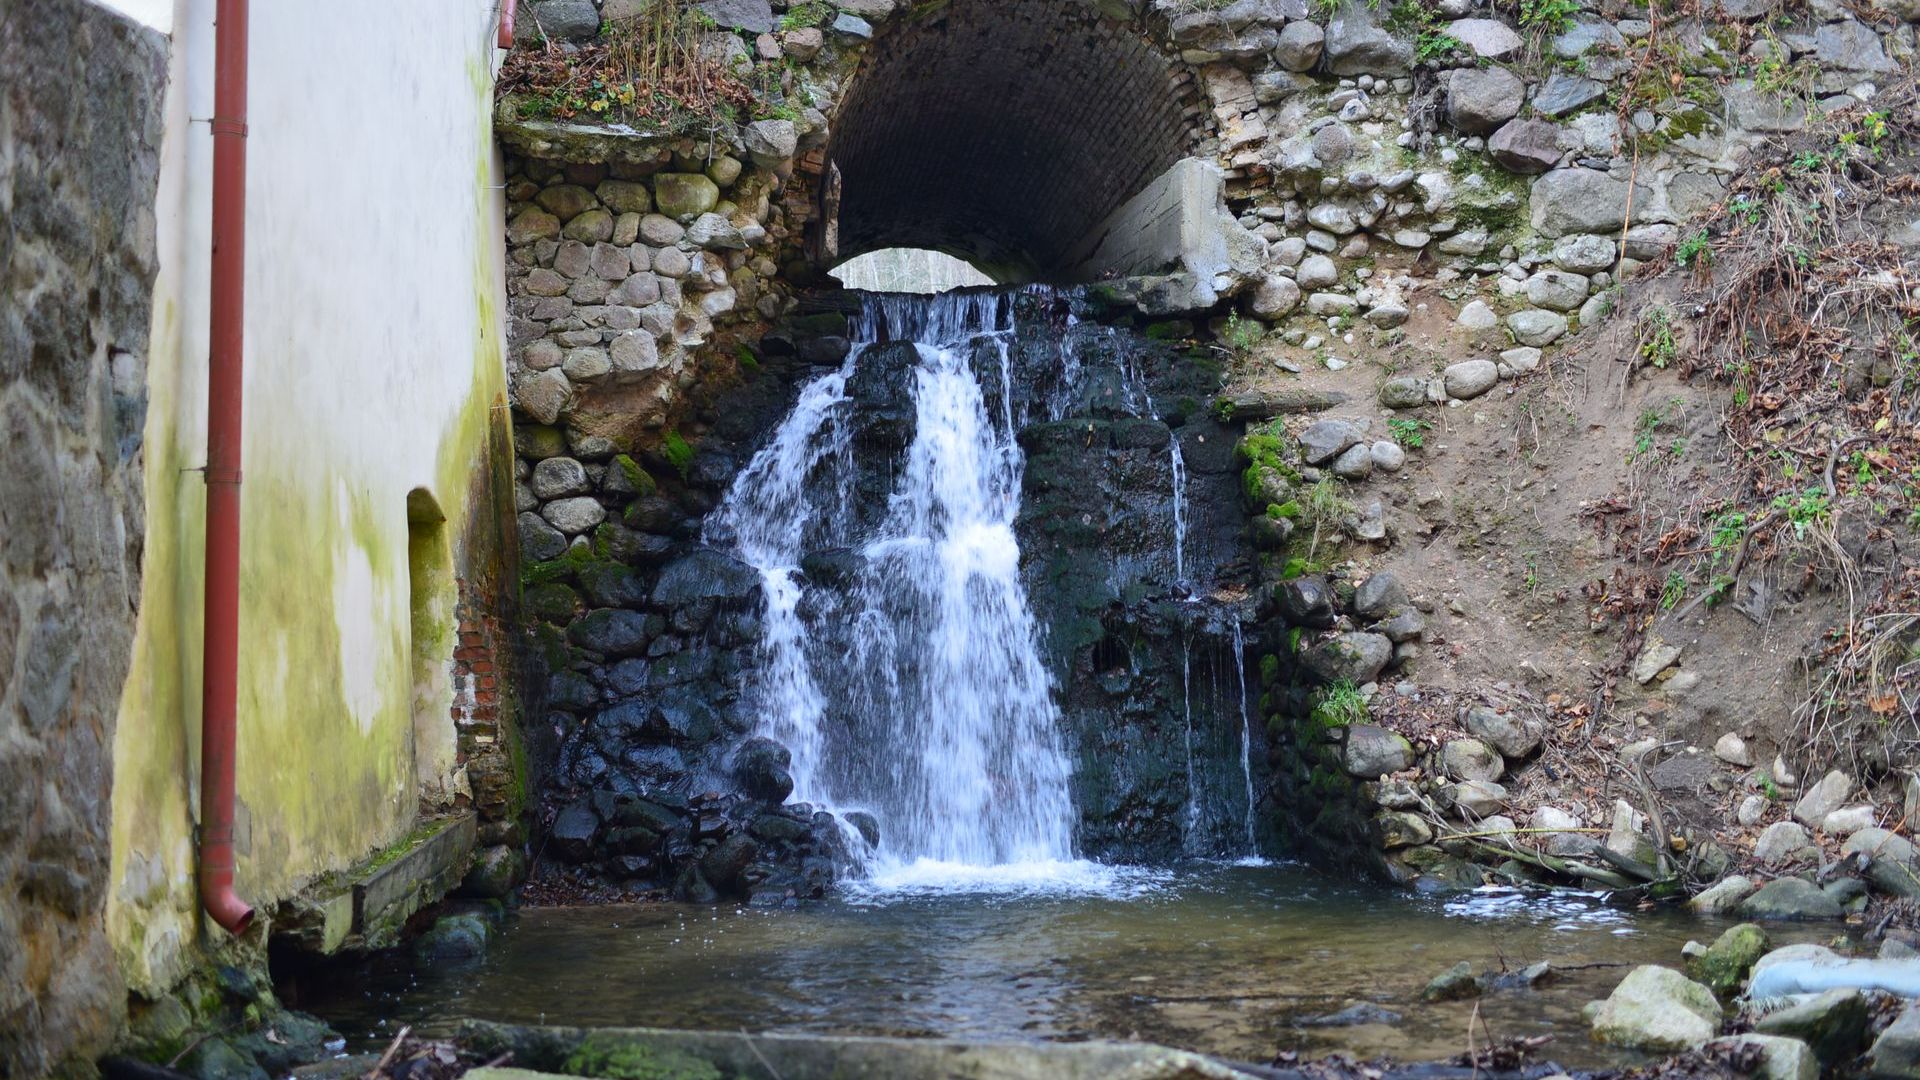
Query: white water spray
920	696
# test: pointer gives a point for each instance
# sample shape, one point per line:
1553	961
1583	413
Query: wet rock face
1135	649
663	778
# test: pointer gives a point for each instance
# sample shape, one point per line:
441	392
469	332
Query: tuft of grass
1339	705
678	452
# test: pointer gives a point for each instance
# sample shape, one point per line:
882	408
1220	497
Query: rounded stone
1470	378
560	477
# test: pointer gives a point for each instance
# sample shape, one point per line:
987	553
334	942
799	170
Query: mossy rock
538	442
1724	966
612	1057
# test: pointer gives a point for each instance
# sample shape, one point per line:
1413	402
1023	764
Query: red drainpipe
505	38
221	648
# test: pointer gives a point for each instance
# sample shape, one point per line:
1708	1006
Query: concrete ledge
367	906
542	1050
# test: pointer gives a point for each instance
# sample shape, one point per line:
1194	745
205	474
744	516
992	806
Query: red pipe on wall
505	38
220	656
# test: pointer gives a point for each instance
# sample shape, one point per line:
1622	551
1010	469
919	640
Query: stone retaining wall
79	162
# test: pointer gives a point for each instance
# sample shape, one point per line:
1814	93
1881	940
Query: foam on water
893	880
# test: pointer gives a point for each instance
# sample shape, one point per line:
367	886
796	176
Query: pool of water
1233	960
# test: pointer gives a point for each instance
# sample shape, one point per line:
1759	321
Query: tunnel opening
909	270
1003	135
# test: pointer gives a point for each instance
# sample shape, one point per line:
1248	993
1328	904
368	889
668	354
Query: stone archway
1002	134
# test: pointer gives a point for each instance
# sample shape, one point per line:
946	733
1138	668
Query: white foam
889	878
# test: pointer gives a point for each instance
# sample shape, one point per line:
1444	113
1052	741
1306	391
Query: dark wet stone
1353	1016
613	632
612	586
1305	601
706	575
573	830
761	767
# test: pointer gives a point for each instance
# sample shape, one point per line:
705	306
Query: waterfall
1246	730
915	691
1191	820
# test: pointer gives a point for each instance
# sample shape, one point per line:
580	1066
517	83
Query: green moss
615	1057
1295	567
637	478
678	452
1170	330
1286	511
1269	669
748	361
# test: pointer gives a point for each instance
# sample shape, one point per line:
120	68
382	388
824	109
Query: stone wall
1373	156
79	160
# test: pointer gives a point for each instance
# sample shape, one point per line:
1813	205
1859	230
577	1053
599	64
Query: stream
1233	960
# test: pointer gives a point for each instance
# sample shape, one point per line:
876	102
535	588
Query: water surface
1228	960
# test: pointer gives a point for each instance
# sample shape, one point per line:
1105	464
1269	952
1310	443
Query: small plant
1658	344
1432	45
1805	510
803	15
1339	705
1325	508
1767	787
1674	590
1729	529
1695	249
1548	16
1408	432
1241	335
678	452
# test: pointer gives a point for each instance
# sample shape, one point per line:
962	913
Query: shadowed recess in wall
1001	134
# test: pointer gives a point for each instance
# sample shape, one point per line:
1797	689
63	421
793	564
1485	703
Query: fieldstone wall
1371	154
79	162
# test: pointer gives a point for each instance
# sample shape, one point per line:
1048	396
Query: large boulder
1356	44
1479	100
1889	860
1512	735
706	575
1790	899
1306	601
1823	798
1897	1051
1372	751
1780	1058
1583	201
1351	657
1833	1023
1526	146
1782	843
1724	966
1324	440
753	16
1379	596
1470	759
1656	1008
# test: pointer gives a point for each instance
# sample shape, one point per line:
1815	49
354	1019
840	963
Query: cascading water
1246	729
917	691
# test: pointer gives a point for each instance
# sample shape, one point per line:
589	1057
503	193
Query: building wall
375	404
79	158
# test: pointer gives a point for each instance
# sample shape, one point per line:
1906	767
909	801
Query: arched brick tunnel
1002	133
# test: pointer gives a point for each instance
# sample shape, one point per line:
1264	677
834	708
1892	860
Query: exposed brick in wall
1004	132
482	663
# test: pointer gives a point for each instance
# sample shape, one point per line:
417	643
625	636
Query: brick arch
1002	133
